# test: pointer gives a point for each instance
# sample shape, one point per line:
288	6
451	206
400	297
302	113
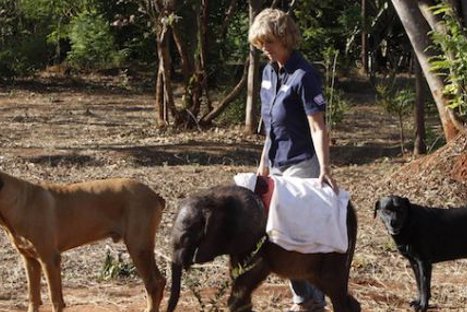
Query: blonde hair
274	24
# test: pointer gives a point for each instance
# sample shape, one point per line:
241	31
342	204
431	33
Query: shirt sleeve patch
284	88
266	84
319	99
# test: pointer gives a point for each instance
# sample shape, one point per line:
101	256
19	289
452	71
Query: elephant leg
334	282
342	301
245	283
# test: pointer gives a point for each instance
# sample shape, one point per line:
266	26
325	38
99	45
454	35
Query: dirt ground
76	130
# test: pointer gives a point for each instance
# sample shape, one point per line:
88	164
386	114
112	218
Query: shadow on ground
199	153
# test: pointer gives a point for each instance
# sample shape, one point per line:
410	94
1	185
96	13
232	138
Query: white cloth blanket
304	216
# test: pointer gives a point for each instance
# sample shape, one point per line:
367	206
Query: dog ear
377	207
1	184
402	201
406	201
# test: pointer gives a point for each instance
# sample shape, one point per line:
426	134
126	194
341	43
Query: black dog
424	236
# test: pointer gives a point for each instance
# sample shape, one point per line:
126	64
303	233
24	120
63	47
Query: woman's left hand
325	177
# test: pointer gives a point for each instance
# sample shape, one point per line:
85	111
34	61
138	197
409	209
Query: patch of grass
116	267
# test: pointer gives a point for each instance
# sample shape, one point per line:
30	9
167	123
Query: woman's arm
321	143
263	168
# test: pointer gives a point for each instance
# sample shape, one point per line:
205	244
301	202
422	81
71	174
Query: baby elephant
231	220
43	220
424	236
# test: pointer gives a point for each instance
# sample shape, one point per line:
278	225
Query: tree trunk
164	93
420	133
464	12
185	60
253	71
229	13
206	120
204	46
364	56
162	118
417	30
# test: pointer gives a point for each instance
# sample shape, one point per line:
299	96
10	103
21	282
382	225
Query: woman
292	108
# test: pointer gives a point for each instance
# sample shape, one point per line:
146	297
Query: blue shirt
288	96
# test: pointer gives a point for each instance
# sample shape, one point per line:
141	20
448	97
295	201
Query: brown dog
44	220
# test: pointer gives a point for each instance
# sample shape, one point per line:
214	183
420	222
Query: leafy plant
92	43
235	112
337	105
396	101
116	267
452	63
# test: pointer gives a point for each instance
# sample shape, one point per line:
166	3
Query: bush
452	63
235	112
92	43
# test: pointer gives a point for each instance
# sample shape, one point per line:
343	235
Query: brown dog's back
101	208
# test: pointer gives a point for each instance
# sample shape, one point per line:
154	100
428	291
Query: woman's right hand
262	170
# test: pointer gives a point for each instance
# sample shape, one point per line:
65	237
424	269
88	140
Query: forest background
166	92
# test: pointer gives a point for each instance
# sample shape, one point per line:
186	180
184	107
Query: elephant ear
214	239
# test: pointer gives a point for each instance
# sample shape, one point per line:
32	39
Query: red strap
264	188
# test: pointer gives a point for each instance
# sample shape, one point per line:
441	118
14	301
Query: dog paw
418	306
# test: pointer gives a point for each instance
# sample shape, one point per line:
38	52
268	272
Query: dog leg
51	266
33	270
422	271
416	270
245	283
154	282
426	269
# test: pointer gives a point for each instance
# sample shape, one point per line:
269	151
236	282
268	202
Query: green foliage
116	268
337	105
453	61
235	112
23	45
236	44
396	101
327	24
92	44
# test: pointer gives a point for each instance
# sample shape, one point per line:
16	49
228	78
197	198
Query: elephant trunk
175	287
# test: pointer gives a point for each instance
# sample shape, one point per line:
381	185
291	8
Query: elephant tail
175	287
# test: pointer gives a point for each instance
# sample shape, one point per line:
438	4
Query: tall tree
164	12
252	84
364	55
420	99
417	30
464	12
